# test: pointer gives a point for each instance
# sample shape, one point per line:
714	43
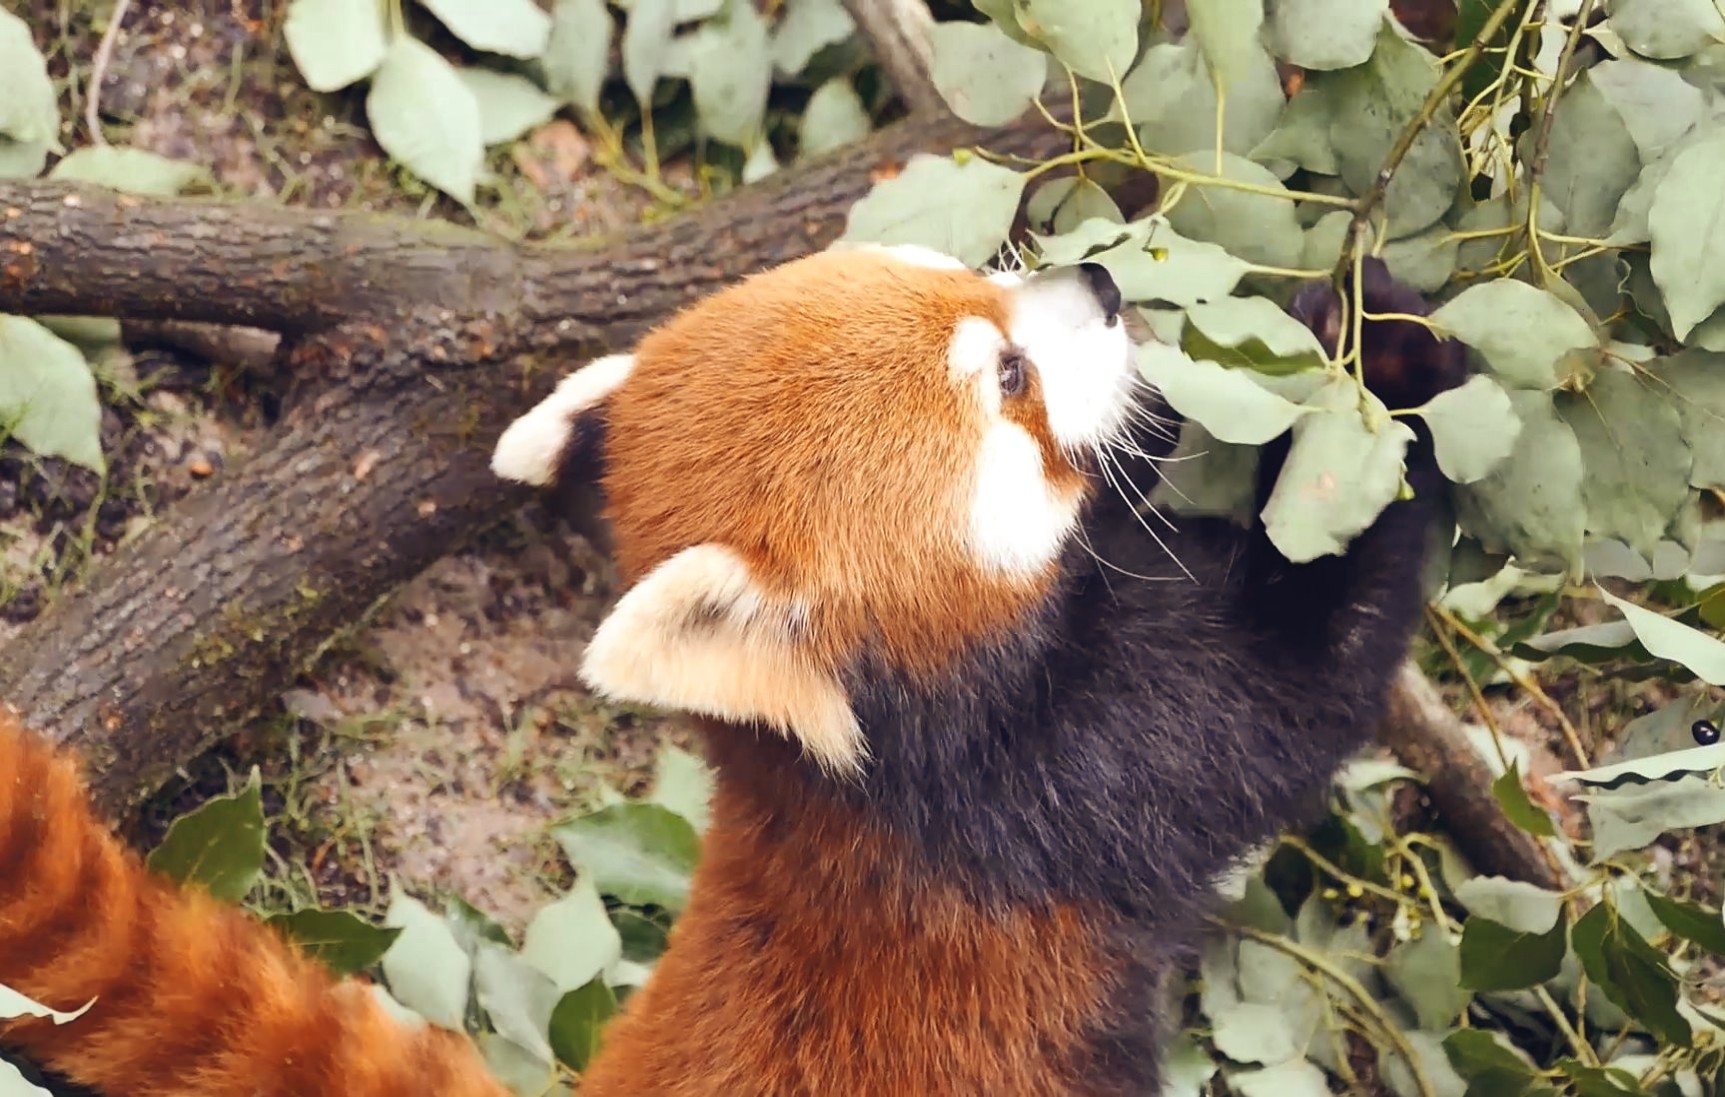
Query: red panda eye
1011	373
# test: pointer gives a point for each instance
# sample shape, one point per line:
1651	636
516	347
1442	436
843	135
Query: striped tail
191	996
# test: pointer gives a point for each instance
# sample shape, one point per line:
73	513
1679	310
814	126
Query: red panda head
866	448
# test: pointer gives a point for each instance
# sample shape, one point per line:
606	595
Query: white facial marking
1084	364
1017	524
973	356
529	450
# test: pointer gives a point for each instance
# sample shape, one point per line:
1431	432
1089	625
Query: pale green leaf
1687	225
1206	476
1634	461
1666	29
1591	160
1633	817
1227	32
517	998
984	76
808	27
1695	383
1530	504
1301	135
730	74
1254	1032
47	395
1085	201
1373	104
29	106
427	969
961	209
523	1071
14	1004
1258	227
688	11
1090	240
1186	1067
1425	261
509	105
1521	331
1426	972
578	52
1338	476
646	45
1325	34
1474	427
14	1084
516	28
334	43
683	783
425	118
1171	99
1242	321
1669	639
1097	39
572	940
1294	1078
1656	103
641	853
835	116
1514	904
1004	14
1229	404
135	171
1149	261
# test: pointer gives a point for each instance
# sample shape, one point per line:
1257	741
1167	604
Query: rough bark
1428	738
414	342
899	35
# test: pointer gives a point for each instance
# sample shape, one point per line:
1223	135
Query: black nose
1102	285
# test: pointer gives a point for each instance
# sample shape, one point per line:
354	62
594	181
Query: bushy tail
192	996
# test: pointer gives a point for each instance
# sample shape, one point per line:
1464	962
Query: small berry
1706	732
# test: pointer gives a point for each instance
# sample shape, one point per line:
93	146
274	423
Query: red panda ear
538	446
698	633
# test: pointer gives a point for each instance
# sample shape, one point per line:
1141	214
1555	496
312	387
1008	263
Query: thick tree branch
416	343
898	33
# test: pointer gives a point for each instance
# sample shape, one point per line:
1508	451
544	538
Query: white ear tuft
533	446
698	634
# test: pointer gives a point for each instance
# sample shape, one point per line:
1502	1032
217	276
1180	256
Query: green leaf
1632	816
1657	104
1374	104
1294	1078
641	853
334	43
47	396
683	783
835	116
1668	639
1695	383
1338	477
1666	29
962	209
1635	463
1171	99
425	118
1690	921
1227	32
1591	159
984	76
1530	504
1094	38
1085	201
134	171
1301	136
29	106
1599	1081
578	52
1426	972
1497	958
1228	403
1632	973
1474	428
1326	34
1207	476
1149	260
472	925
1687	225
14	1084
1252	332
808	27
427	969
1512	797
646	46
14	1004
1254	1032
218	845
1426	261
578	1023
1672	765
1491	1065
572	940
342	940
520	1070
1513	904
1522	332
730	74
1259	228
516	28
1471	18
517	998
509	105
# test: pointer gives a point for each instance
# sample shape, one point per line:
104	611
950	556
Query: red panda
983	745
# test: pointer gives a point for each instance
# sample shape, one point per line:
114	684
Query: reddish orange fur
765	993
737	405
192	996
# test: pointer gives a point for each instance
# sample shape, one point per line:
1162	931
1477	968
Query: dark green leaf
1512	797
1691	921
1478	1055
342	940
643	938
641	853
1599	1081
578	1023
1631	972
1471	17
1495	957
218	845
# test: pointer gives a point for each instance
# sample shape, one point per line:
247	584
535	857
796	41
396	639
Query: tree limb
898	33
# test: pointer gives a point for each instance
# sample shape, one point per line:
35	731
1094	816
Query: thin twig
1522	679
99	72
1542	141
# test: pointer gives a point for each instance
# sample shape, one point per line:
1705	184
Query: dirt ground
432	746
